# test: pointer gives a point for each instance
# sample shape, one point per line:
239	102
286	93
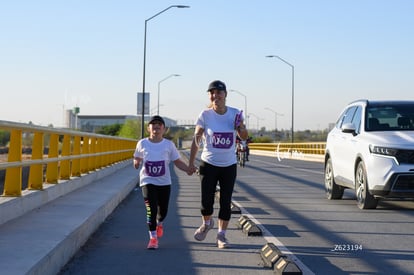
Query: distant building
93	123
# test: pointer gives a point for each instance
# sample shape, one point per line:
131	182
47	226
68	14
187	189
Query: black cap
217	84
156	118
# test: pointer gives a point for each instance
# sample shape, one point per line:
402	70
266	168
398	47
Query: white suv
371	150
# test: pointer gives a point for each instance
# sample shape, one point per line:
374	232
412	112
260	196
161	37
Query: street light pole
158	98
143	71
257	120
152	111
245	106
293	90
276	114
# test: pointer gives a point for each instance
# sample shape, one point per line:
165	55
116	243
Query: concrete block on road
286	266
270	254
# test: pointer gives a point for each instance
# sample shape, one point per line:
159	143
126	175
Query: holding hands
191	169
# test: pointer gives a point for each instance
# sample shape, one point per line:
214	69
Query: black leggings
210	176
156	200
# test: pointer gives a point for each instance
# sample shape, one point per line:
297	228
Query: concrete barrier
14	207
62	218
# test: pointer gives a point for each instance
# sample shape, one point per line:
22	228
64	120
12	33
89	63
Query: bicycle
241	154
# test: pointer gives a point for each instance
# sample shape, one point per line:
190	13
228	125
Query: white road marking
287	166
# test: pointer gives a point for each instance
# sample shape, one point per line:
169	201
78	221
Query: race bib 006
222	140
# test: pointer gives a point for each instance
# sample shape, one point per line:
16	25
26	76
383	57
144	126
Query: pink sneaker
153	243
160	230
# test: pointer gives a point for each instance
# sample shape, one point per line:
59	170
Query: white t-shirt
219	136
156	158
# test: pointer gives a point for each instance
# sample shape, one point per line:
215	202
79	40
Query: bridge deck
44	240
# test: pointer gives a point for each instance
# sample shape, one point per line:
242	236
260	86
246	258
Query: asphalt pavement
119	245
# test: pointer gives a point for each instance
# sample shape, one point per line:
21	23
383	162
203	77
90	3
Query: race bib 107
155	168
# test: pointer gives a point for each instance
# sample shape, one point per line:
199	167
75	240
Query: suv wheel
364	199
332	190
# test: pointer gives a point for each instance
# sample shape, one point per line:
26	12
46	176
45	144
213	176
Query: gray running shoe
202	231
222	242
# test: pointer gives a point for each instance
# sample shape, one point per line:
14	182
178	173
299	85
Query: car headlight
379	150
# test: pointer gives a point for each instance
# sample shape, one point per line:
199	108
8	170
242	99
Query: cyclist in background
243	144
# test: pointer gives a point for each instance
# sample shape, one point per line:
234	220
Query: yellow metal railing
70	154
307	148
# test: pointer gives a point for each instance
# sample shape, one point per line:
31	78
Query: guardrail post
64	170
52	167
106	148
111	157
100	150
36	170
92	160
13	179
76	152
84	160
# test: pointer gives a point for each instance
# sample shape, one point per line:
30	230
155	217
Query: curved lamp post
152	111
143	71
258	118
245	106
276	114
158	98
293	89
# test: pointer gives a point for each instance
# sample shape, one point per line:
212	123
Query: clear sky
55	55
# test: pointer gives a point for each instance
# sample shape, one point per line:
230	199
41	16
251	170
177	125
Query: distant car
371	150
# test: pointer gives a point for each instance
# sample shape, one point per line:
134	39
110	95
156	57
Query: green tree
4	137
179	133
130	129
111	130
262	139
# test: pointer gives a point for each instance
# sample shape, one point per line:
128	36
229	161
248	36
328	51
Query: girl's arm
137	162
198	134
182	166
